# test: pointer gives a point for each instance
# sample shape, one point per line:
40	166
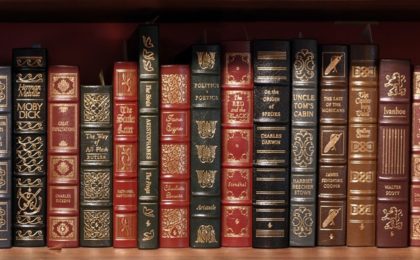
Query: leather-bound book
304	144
63	156
362	145
5	157
205	146
30	146
148	203
271	172
415	161
96	166
393	153
237	143
174	216
332	180
125	154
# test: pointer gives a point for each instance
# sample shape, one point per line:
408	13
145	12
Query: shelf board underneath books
222	253
192	10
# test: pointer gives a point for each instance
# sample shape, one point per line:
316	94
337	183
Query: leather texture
304	143
29	146
394	117
148	202
237	143
205	146
332	180
96	161
415	161
271	59
175	156
362	145
125	133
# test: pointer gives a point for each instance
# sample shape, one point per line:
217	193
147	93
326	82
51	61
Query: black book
304	142
147	37
205	146
96	166
29	152
5	157
271	144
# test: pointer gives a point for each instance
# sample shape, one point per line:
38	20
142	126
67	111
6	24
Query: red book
63	157
175	156
415	161
125	154
237	141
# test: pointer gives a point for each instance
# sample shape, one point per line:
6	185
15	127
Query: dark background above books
96	46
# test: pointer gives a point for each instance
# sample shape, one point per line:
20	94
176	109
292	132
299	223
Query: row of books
267	144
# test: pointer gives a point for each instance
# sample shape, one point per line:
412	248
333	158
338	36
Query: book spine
362	145
332	180
304	142
205	146
393	153
237	143
29	151
148	201
5	157
63	157
271	144
415	161
125	154
96	166
175	156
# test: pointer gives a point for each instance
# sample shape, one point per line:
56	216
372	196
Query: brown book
393	153
362	142
333	146
415	162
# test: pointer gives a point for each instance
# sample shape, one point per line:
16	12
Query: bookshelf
91	34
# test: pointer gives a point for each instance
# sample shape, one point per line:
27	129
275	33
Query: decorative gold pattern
29	78
148	56
363	71
29	235
97	185
148	212
3	216
237	69
174	159
392	217
29	126
206	178
206	153
206	235
332	66
206	129
174	89
125	226
417	83
29	201
394	151
415	227
329	220
3	178
304	65
125	157
231	214
361	176
330	146
362	209
174	223
97	224
148	235
302	221
206	59
63	228
29	61
3	90
395	83
125	82
29	154
303	148
64	84
96	107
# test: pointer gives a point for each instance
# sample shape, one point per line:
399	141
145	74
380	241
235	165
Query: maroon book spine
415	162
174	156
125	154
393	153
237	142
63	157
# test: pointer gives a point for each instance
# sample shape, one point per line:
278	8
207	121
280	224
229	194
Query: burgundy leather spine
174	156
125	154
237	142
63	157
393	153
415	162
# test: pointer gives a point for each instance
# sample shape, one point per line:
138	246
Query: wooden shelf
206	10
222	253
